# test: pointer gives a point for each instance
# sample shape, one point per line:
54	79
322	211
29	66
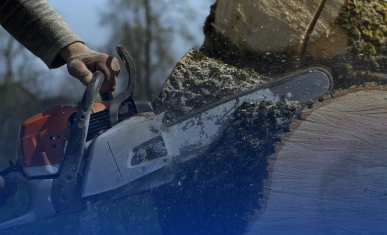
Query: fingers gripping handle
130	67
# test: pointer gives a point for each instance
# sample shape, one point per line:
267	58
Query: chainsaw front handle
63	186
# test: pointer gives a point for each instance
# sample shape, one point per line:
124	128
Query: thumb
78	69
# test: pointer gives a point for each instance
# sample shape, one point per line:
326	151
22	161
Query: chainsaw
65	153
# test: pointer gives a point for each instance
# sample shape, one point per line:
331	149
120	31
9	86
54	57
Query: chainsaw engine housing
42	137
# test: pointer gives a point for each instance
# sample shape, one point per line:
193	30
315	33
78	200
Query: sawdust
365	60
366	22
219	190
198	80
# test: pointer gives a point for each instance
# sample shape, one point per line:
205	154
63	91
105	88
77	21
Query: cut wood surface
330	175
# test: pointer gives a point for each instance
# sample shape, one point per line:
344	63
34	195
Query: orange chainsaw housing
42	137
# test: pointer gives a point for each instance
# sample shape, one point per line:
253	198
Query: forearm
72	49
38	27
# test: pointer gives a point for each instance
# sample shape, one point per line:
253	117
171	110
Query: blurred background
156	33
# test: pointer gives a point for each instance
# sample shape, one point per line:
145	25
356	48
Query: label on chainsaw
206	125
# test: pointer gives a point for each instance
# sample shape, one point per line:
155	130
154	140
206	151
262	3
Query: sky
83	19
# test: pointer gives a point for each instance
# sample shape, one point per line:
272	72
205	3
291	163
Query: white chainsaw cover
111	155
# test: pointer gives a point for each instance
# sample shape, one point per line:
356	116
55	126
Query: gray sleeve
36	25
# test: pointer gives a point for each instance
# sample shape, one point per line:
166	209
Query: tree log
315	170
348	38
272	25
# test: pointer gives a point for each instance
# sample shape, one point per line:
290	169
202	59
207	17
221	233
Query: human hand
82	62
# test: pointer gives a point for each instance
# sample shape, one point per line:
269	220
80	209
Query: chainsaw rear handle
63	186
